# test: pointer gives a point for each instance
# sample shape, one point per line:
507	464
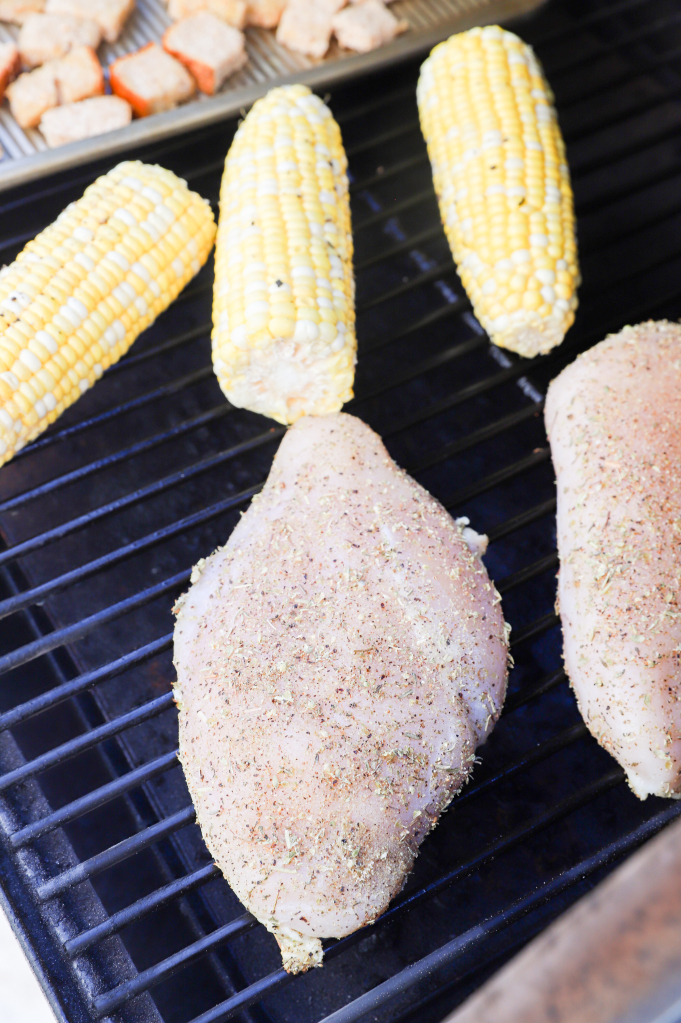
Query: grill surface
102	865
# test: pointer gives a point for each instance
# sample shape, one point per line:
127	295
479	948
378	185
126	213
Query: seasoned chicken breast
338	661
613	422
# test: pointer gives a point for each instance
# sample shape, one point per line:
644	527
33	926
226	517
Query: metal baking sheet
27	157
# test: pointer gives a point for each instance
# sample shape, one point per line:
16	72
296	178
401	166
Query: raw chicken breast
613	421
338	662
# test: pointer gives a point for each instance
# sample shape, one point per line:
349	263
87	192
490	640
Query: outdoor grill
104	872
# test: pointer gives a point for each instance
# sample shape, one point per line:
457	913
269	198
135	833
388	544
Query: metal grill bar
388	172
165	391
398	207
525	519
70	633
614	46
464	394
86	741
48	589
146	354
399	248
382	137
587	21
100	796
112	1000
544	685
161	897
494	479
485	433
116	854
443	313
535	629
91	678
120	456
523	575
403	289
535	756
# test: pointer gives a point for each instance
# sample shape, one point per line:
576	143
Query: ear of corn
503	184
283	307
78	295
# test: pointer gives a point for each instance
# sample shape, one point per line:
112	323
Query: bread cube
151	80
231	11
110	15
76	76
10	65
74	121
46	37
305	26
16	11
264	13
366	26
210	49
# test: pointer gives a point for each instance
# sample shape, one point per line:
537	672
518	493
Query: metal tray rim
148	130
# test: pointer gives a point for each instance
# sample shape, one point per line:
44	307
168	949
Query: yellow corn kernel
503	185
281	345
68	308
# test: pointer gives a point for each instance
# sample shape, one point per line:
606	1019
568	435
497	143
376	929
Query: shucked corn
78	295
503	184
283	307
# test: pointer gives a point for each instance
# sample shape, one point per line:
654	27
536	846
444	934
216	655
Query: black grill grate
102	865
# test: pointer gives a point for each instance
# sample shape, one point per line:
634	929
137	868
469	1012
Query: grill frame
86	969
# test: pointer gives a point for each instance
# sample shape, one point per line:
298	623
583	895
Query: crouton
305	25
16	11
231	11
82	120
264	13
110	15
76	76
10	65
210	49
365	26
151	80
32	94
46	37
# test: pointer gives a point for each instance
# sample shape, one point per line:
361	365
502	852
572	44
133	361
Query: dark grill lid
103	869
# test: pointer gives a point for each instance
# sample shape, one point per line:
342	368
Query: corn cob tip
283	304
77	295
503	184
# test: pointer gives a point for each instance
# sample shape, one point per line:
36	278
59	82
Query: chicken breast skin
338	661
613	422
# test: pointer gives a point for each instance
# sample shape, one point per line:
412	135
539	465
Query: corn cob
283	306
503	184
77	296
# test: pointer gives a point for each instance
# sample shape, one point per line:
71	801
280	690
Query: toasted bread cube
74	121
79	75
151	80
264	13
76	76
366	26
305	25
110	15
10	65
210	49
32	94
16	11
46	37
233	12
